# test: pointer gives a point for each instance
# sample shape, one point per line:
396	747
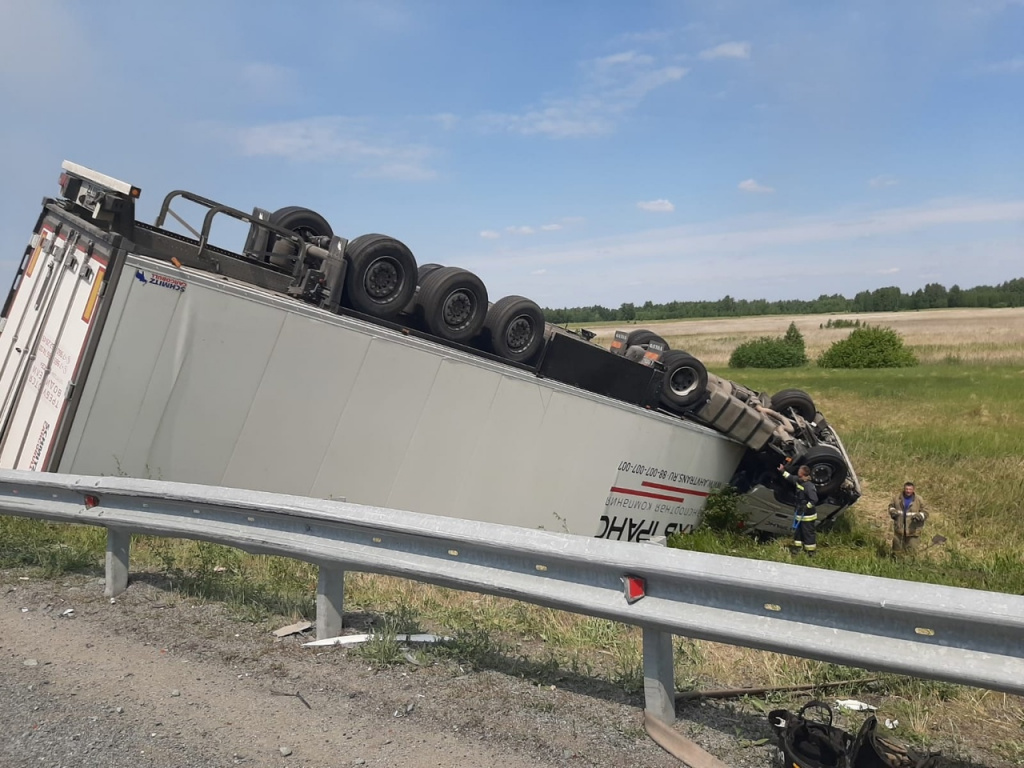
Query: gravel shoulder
153	679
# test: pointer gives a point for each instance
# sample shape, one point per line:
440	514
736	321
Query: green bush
794	337
721	511
868	348
771	352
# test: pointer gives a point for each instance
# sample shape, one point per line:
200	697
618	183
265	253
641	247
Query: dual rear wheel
383	281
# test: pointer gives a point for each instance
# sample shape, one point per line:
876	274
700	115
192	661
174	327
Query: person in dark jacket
805	516
908	514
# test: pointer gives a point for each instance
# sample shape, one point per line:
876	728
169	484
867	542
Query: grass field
953	425
993	336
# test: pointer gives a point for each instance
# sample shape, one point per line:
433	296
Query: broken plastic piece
854	705
356	639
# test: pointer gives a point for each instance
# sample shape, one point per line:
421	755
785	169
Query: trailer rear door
50	314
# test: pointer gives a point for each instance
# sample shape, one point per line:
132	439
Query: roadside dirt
156	680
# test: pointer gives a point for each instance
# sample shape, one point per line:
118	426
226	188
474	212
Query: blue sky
573	152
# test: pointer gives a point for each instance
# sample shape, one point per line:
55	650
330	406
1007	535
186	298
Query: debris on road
854	706
293	629
356	639
297	695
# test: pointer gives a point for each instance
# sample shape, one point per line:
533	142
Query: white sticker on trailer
59	352
647	500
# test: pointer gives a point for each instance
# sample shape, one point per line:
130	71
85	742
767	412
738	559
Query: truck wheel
514	328
421	271
686	380
828	468
303	221
642	336
381	277
453	303
796	399
425	269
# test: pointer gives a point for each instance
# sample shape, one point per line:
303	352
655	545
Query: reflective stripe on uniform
807	518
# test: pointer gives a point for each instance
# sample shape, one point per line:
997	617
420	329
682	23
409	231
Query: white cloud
551	227
612	86
761	256
883	180
489	234
339	140
733	50
889	271
1009	66
519	230
656	206
539	272
745	235
446	120
751	185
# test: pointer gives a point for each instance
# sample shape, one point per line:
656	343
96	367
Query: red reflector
634	587
92	501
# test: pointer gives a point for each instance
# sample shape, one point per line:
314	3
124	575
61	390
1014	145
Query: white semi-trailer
315	365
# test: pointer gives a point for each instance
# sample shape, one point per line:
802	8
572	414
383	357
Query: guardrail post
659	675
330	600
119	543
659	668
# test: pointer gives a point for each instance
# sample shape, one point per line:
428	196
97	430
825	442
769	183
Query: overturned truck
305	362
781	428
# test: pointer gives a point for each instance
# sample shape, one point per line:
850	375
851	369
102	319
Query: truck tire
642	336
381	277
828	468
452	303
425	269
302	221
514	328
796	399
686	381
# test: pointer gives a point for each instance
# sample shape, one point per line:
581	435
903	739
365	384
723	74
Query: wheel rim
822	474
382	280
519	333
683	381
457	309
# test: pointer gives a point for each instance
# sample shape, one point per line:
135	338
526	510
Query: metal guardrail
934	632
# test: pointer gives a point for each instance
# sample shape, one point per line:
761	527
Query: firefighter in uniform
805	516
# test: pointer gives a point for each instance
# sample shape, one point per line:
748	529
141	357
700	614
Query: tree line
888	299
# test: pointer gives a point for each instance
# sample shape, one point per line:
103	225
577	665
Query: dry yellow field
935	335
